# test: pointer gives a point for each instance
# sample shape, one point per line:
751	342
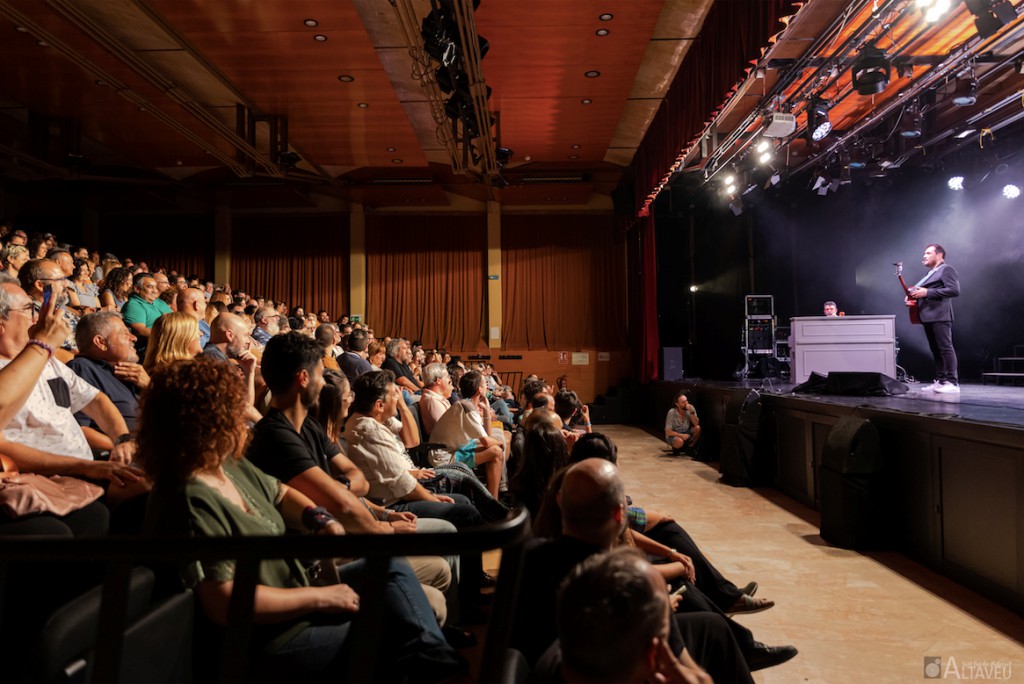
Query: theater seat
156	645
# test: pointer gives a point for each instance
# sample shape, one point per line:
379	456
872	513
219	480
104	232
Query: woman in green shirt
191	438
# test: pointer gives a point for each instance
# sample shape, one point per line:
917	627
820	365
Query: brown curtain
303	260
426	278
175	242
564	282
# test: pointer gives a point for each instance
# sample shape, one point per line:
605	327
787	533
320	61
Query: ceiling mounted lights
818	124
871	71
933	9
1011	191
965	92
990	15
912	121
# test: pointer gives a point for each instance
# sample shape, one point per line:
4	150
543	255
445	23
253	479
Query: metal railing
119	554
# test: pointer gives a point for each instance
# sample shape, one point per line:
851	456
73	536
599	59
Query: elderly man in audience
142	309
107	360
463	429
353	362
43	437
437	389
267	322
193	302
229	337
399	356
41	275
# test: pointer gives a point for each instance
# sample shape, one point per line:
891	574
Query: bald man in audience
193	302
593	514
229	337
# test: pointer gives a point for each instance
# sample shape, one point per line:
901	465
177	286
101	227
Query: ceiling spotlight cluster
934	9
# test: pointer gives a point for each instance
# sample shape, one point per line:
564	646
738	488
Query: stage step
1014	378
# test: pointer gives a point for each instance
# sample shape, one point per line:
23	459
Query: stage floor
988	404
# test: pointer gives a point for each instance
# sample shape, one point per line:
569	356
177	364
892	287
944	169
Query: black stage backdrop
804	249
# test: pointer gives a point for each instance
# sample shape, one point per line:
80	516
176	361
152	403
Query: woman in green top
191	438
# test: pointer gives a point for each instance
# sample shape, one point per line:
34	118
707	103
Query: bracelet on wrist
41	345
316	519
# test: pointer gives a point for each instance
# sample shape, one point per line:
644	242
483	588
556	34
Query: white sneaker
947	388
932	387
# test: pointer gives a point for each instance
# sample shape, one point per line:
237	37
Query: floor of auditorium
854	617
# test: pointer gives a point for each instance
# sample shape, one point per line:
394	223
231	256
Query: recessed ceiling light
575	147
602	32
391	149
362	105
574	156
593	73
320	38
42	43
396	161
21	29
346	78
101	83
607	16
586	100
311	23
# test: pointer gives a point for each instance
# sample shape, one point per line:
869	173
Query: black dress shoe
761	656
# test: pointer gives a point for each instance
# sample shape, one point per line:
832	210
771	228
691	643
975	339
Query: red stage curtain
303	260
733	34
564	282
426	278
644	311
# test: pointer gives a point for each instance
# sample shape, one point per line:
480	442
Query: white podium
821	344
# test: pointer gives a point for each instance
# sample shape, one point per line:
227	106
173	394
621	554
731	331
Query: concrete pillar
493	275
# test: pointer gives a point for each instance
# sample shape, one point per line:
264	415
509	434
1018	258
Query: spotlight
965	92
1011	191
910	123
730	189
933	9
871	71
955	183
730	179
818	124
693	288
990	15
763	146
765	157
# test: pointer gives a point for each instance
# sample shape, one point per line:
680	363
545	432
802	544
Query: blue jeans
411	645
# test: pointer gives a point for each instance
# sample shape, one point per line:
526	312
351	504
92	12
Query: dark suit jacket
942	286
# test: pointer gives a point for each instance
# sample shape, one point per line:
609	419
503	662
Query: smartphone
47	293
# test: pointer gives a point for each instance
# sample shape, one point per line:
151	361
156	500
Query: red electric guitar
915	316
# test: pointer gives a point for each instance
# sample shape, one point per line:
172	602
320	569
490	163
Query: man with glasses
43	437
38	275
142	309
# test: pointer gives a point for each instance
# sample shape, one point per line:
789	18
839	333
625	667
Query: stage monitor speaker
744	409
671	363
851	447
863	384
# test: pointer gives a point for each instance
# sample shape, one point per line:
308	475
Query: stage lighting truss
447	52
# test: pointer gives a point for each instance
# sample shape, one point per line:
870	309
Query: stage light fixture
933	9
911	122
955	183
964	133
965	92
1011	191
871	71
693	288
818	124
990	15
